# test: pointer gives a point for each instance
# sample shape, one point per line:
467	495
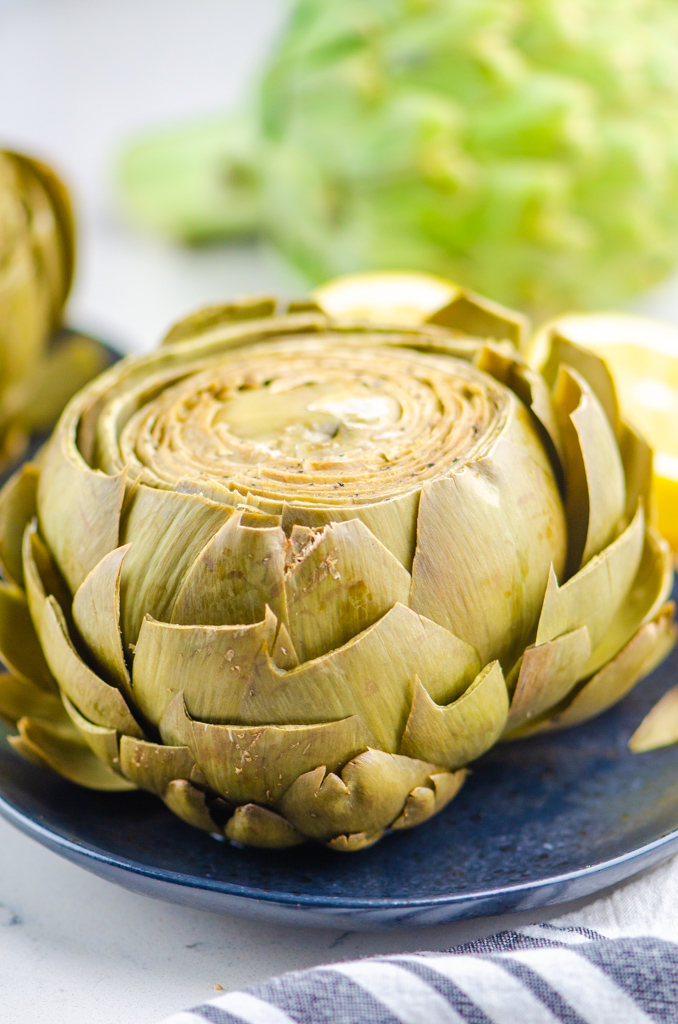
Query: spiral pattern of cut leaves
293	573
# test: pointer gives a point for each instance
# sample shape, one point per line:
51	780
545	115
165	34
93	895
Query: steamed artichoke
293	573
38	372
526	147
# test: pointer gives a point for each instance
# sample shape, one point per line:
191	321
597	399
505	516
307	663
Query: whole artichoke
292	573
526	147
38	372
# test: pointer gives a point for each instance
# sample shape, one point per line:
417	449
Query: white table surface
76	78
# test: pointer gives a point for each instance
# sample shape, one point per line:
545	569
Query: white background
77	77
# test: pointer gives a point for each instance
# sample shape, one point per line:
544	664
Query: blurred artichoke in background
526	147
291	573
38	371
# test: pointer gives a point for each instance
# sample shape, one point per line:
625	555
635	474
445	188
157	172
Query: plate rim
83	851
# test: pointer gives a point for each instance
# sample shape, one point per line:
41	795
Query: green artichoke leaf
463	730
96	614
588	365
18	505
205	663
423	802
641	655
547	674
473	314
167	531
153	766
355	841
258	826
236	575
529	386
594	594
22	699
65	753
370	676
189	803
101	703
260	762
659	728
393	522
594	475
636	456
650	589
102	741
368	796
79	508
20	648
338	583
251	307
41	577
499	522
284	655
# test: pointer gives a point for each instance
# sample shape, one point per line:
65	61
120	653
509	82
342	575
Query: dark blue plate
539	823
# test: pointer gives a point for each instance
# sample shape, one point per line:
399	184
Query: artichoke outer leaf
258	763
206	663
190	804
473	314
167	531
370	794
355	841
96	614
251	307
71	361
547	674
261	827
649	591
18	505
41	577
659	728
19	645
459	732
47	745
425	801
393	522
499	522
236	574
283	654
636	456
100	702
102	741
22	699
153	766
594	594
339	584
594	475
641	655
588	365
529	386
63	214
370	676
78	507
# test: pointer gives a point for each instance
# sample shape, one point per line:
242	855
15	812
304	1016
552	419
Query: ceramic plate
539	822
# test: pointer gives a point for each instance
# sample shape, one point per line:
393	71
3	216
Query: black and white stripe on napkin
536	975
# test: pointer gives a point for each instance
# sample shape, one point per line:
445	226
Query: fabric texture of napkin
540	974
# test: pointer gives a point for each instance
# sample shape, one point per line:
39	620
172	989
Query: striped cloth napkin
542	974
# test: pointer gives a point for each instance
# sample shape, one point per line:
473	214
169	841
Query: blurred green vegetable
526	147
41	364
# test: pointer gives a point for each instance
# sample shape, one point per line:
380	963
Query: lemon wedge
403	298
642	355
